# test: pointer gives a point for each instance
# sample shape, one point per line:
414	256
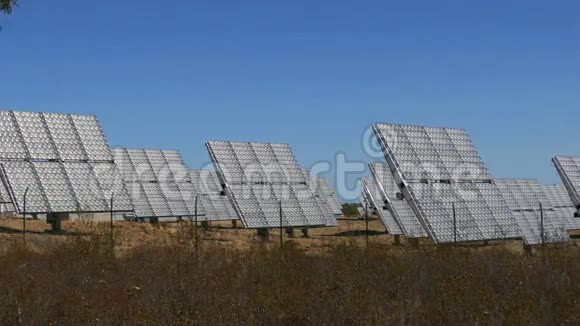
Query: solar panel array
63	159
399	208
523	197
158	183
560	200
261	177
438	169
216	204
372	194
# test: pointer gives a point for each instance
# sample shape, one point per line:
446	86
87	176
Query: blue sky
314	74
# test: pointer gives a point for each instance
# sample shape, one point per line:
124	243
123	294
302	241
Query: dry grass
159	277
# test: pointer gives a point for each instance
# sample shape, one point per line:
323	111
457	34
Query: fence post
24	215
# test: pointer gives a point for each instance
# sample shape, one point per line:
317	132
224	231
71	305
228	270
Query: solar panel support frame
413	203
225	186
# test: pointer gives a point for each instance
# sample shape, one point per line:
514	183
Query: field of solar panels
94	234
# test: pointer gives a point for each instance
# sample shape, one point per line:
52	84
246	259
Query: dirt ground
129	235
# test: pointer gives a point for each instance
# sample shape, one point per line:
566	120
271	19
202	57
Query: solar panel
326	192
373	195
217	206
426	153
523	197
560	200
177	166
259	178
50	153
86	187
161	191
206	181
56	186
143	169
159	165
65	136
260	206
400	209
327	200
92	138
111	184
143	208
438	168
157	199
19	176
241	162
568	168
36	136
11	142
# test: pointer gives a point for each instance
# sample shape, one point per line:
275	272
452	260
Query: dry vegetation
156	276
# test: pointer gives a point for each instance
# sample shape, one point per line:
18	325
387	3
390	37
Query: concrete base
530	250
397	240
55	220
263	234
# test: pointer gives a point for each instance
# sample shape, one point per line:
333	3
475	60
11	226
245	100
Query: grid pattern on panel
159	165
143	208
563	206
480	212
158	201
400	209
86	187
373	195
242	162
11	143
92	137
523	197
324	194
425	153
159	181
325	207
142	167
188	192
176	165
206	182
36	136
217	206
327	192
175	199
21	175
260	204
111	184
65	136
56	186
261	177
557	195
568	168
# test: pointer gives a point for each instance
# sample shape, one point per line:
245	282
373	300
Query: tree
6	6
